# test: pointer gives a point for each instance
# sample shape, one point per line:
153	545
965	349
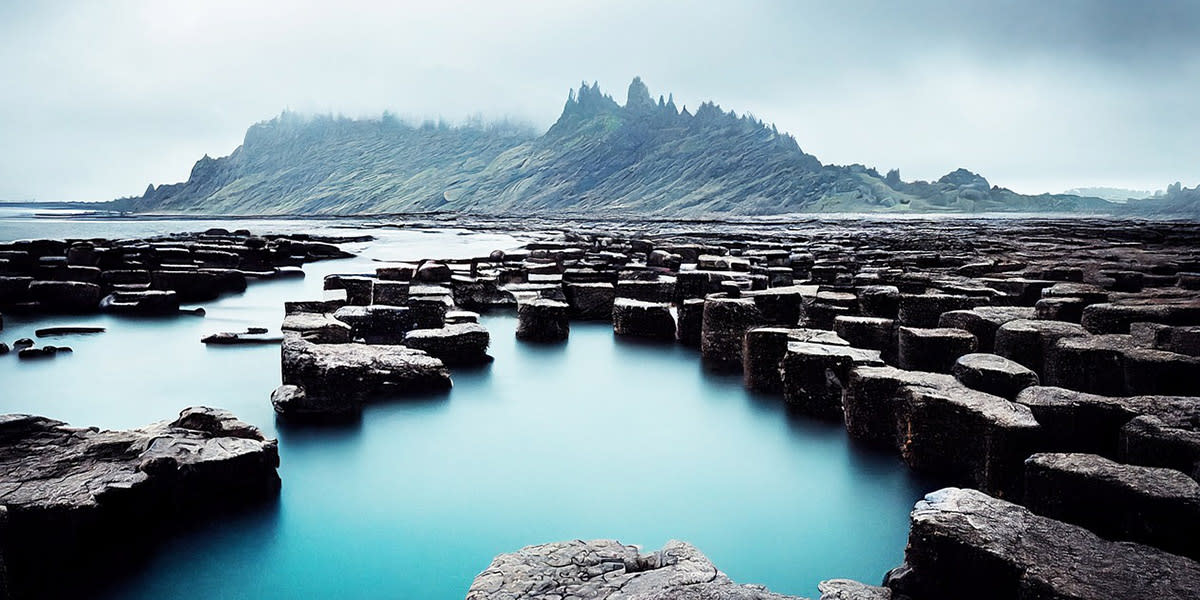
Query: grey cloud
101	99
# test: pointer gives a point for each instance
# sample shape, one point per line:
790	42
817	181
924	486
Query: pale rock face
609	570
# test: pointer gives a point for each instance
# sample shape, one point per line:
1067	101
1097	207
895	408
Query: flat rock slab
609	570
993	374
966	544
69	489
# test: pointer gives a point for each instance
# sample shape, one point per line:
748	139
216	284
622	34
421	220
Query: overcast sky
98	99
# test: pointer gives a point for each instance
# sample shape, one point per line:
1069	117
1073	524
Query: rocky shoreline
1046	371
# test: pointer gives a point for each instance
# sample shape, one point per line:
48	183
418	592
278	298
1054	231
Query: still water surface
595	438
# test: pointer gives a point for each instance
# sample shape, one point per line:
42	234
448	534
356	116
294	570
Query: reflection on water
593	438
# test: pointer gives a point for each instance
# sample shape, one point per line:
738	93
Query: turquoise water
595	438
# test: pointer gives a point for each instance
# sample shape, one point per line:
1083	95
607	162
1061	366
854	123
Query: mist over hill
646	156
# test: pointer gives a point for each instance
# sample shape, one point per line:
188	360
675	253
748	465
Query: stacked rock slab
814	375
636	318
542	320
1155	506
337	379
966	544
725	321
71	492
454	344
933	350
609	570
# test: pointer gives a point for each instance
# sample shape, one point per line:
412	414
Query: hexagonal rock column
984	321
1170	438
542	320
993	374
725	321
762	349
590	300
966	544
966	435
636	318
690	322
873	398
933	349
872	333
814	375
1150	505
1028	342
1115	365
924	310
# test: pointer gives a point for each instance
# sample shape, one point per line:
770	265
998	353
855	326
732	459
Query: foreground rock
609	570
69	492
966	544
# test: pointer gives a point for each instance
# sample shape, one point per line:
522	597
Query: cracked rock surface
609	570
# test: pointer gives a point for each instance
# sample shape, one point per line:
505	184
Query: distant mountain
1111	194
1178	201
645	157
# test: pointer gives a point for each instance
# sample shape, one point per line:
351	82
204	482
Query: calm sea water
595	438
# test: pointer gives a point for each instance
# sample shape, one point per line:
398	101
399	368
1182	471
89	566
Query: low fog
101	99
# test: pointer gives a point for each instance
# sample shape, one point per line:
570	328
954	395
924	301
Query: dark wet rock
67	330
458	317
432	272
359	288
312	306
636	318
23	343
780	305
1115	365
609	570
925	310
814	375
73	494
965	544
4	349
762	350
879	301
542	320
36	353
846	589
453	344
377	324
1060	309
1172	338
14	289
872	333
1029	342
1080	422
147	303
933	350
658	290
1170	438
725	321
193	285
967	436
66	296
429	312
873	398
1155	506
690	324
246	338
590	301
993	374
983	322
340	378
1117	317
317	328
391	293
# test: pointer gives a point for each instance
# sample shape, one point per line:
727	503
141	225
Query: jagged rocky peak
964	178
638	97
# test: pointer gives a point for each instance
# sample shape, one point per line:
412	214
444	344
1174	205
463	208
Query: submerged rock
609	570
71	491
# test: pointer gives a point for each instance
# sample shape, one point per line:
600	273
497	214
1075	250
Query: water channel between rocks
594	438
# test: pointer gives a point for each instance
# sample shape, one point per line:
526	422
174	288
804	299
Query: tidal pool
594	438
